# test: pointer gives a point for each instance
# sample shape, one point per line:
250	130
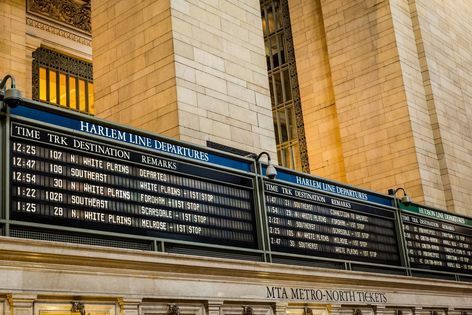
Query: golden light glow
65	87
52	87
82	104
91	99
62	89
72	93
42	84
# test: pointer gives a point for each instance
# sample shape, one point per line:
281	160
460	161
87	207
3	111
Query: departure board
315	224
63	179
437	244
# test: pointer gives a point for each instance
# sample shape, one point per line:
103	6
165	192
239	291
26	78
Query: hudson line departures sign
436	239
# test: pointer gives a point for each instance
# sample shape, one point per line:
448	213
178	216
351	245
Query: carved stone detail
78	307
174	309
247	310
58	31
73	13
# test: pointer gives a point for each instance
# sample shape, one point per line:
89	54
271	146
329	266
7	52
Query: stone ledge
33	254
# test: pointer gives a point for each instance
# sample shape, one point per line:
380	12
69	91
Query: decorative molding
10	303
292	68
121	305
174	309
78	307
72	13
35	81
247	310
58	31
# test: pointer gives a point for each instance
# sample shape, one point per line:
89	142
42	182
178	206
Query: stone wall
322	133
377	136
386	95
221	74
420	120
133	63
444	38
193	70
13	43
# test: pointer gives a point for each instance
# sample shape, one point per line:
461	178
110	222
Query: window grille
62	80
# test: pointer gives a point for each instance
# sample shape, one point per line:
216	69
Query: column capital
214	307
128	306
335	309
417	310
281	308
20	304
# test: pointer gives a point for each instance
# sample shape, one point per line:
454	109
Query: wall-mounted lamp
271	172
12	96
405	199
307	311
356	312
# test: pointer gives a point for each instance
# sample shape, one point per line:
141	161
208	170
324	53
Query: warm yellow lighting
52	87
42	84
82	104
72	93
62	89
91	100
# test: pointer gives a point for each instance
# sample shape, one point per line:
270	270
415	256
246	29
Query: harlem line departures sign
60	178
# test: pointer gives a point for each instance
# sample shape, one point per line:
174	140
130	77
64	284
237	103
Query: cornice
44	26
20	253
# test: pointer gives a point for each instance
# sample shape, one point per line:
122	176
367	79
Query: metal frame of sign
437	221
332	190
338	196
225	164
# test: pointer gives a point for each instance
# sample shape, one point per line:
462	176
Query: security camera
271	172
406	200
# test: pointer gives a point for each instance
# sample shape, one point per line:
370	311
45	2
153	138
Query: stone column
20	304
418	311
382	310
322	132
214	307
129	306
334	309
385	131
281	308
180	69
